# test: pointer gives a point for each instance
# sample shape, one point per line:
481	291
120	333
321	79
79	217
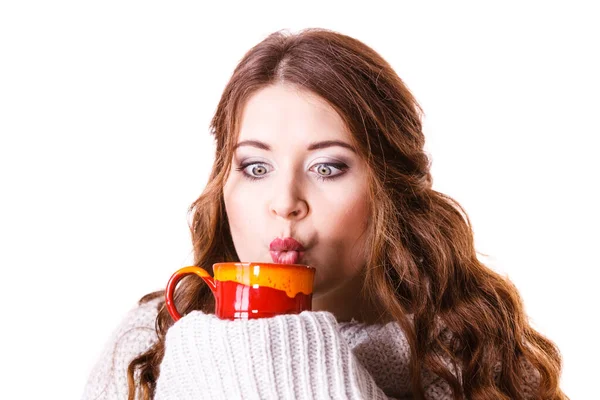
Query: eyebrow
313	146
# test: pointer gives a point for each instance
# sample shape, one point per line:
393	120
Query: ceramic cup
248	290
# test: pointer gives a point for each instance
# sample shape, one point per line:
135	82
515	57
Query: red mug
248	290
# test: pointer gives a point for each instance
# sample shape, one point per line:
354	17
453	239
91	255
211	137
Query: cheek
243	213
346	219
235	206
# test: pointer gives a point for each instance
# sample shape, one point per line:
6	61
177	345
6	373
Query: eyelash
342	167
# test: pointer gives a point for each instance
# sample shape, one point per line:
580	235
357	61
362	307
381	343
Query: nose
288	203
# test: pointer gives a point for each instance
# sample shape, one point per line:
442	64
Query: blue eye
324	171
258	170
253	171
327	171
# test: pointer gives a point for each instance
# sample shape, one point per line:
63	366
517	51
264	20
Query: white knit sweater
304	356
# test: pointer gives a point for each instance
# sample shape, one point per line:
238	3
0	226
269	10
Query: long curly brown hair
422	268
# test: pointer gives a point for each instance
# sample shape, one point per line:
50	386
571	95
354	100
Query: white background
104	113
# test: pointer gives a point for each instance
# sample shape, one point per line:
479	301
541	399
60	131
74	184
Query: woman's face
295	175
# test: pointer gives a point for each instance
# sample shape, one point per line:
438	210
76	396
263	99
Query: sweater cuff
298	356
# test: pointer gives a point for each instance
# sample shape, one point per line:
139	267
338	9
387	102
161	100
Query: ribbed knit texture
304	356
285	357
135	334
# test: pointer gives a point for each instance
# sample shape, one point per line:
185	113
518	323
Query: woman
319	141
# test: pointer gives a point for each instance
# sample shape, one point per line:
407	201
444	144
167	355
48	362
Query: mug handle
173	283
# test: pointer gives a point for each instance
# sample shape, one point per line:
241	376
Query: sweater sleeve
135	334
299	356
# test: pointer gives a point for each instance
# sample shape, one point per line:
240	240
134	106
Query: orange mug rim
266	264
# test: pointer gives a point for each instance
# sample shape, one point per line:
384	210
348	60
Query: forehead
288	113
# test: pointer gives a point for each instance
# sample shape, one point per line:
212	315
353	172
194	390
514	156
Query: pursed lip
286	244
286	250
